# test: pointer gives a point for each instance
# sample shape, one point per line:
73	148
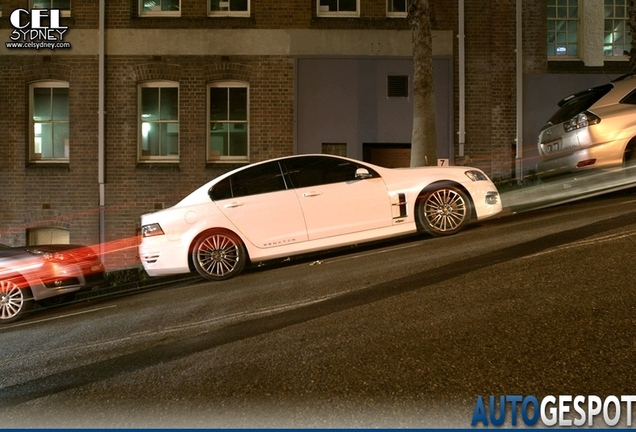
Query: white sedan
307	203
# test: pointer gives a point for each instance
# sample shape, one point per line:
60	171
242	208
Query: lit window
397	8
63	5
159	121
617	39
229	8
49	122
563	16
47	235
344	8
228	127
160	8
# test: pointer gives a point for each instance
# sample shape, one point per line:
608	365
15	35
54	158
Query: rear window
579	102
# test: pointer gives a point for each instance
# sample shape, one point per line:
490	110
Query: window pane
218	140
169	139
256	180
329	5
43	139
169	103
218	103
238	103
348	5
41	104
149	103
238	5
397	6
149	139
60	104
238	139
60	140
61	4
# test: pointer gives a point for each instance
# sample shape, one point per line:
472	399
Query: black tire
15	300
443	211
218	255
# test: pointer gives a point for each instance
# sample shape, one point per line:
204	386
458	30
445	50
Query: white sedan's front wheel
443	211
218	255
14	301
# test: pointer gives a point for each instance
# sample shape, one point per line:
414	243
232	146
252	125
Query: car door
334	202
257	201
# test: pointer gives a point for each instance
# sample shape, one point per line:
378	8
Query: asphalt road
402	334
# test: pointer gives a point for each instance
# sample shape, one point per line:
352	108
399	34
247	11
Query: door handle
233	204
312	194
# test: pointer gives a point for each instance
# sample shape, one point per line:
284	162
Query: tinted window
630	98
579	102
316	170
258	179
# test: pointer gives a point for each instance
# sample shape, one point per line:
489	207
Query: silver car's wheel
443	211
218	255
14	301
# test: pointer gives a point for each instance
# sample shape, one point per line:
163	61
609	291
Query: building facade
111	109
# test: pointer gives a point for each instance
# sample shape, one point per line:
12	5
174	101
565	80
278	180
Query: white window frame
34	154
610	34
229	13
158	13
392	14
558	6
149	158
211	158
63	12
321	12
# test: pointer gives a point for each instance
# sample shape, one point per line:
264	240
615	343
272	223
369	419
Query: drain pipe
462	82
519	57
100	129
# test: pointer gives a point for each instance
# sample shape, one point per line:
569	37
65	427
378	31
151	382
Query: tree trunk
424	137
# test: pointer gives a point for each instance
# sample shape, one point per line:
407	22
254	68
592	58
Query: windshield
577	103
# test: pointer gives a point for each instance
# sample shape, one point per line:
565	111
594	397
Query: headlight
475	175
151	230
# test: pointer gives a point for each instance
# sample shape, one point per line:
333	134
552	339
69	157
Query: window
397	86
46	235
562	35
616	36
346	8
63	5
307	171
49	117
159	121
336	149
228	128
397	8
229	8
258	179
160	8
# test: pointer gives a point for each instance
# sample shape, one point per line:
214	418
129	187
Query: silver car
593	129
44	274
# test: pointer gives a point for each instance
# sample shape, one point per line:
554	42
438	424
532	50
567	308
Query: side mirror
362	173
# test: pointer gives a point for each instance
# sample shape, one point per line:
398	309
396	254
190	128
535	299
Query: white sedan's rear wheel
444	211
15	301
219	255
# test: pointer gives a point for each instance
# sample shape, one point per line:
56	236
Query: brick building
141	103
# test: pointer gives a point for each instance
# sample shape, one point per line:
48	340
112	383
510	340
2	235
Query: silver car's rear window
579	102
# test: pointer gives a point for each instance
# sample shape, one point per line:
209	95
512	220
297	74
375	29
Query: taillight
581	120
